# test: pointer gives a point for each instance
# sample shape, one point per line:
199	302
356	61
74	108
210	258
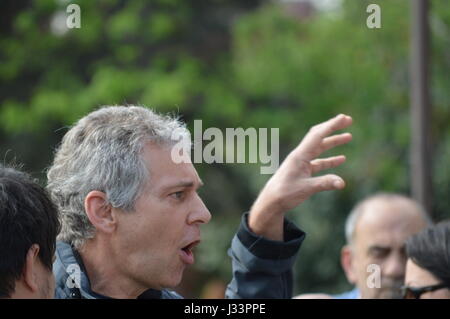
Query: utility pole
421	168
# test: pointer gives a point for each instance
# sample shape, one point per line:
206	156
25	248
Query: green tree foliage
232	64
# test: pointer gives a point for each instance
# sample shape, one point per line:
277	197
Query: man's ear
347	262
30	275
99	211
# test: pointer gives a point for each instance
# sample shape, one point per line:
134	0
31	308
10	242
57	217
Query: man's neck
104	276
21	291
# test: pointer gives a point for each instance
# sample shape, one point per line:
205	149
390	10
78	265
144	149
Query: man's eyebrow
185	184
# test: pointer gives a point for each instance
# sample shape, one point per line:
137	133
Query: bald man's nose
394	266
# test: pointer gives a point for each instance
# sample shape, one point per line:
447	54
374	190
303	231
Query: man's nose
200	213
394	266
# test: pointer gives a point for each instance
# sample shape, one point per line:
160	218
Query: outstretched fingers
317	140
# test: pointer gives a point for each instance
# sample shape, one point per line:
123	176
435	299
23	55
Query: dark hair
27	217
430	249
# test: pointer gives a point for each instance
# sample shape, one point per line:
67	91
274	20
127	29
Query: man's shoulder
70	279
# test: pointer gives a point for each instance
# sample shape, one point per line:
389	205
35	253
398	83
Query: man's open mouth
187	255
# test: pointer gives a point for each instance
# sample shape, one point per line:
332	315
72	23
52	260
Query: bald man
374	258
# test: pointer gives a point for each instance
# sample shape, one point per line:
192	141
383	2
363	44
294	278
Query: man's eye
379	252
178	195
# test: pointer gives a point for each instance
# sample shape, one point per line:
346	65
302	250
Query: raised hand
294	182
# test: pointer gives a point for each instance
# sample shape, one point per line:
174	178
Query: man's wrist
266	220
267	205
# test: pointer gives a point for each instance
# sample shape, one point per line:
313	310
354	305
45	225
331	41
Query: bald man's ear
30	270
347	262
99	212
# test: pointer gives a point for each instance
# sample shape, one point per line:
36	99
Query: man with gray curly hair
131	215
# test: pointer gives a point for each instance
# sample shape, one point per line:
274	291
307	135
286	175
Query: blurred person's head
428	267
28	228
376	231
125	205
